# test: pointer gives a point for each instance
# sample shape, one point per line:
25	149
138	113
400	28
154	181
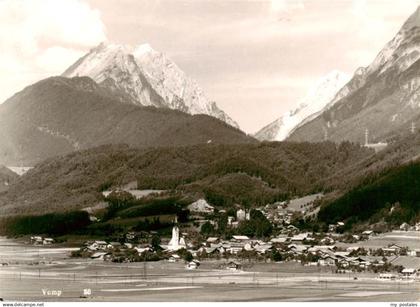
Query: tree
118	200
155	242
222	223
183	215
275	255
185	255
246	228
188	257
263	228
207	229
257	226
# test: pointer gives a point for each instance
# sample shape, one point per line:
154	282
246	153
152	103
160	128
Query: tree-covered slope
264	172
397	188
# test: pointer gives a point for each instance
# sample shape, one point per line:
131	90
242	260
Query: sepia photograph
217	151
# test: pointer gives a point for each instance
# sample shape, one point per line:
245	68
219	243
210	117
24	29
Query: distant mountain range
314	103
147	77
383	97
118	94
59	115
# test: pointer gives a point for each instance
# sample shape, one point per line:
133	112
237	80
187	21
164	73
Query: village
234	262
340	252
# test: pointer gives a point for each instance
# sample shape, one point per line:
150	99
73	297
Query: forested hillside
394	196
7	177
251	174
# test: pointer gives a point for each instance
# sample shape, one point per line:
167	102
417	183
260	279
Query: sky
256	59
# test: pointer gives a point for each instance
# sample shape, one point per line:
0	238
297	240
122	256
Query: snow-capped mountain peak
397	53
317	98
114	66
177	89
147	77
383	97
142	50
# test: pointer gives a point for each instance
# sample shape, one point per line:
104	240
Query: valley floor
41	273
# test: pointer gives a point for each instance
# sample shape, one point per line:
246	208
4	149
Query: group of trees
149	225
124	205
257	226
394	196
230	189
49	224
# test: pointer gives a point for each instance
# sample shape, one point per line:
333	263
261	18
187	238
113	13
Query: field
410	239
47	274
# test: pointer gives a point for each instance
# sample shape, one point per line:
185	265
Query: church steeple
176	242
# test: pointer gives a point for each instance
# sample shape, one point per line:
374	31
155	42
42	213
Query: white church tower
176	243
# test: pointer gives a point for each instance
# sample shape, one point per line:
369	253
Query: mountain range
314	103
147	77
119	94
383	98
59	115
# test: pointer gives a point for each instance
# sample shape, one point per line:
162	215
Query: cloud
56	59
39	38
